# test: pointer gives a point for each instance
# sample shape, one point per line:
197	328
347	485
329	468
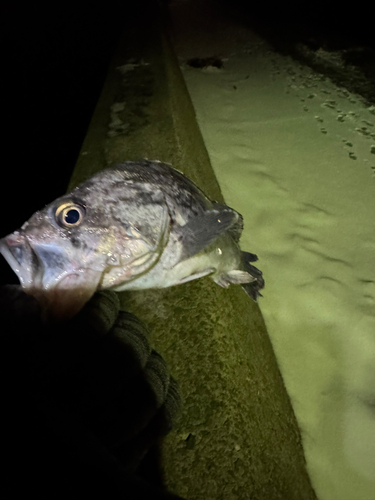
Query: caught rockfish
135	226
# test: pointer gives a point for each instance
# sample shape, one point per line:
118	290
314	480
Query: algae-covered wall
237	437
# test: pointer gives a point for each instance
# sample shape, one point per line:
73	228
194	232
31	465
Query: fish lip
18	253
29	261
61	295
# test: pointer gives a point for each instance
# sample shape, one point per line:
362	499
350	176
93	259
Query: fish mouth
19	255
48	274
39	266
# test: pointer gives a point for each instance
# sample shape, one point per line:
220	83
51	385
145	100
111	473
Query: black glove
85	403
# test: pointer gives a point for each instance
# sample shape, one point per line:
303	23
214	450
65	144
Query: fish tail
253	288
248	276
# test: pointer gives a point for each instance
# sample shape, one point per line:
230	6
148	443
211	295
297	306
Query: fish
134	226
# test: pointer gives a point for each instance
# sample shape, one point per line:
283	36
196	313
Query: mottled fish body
134	226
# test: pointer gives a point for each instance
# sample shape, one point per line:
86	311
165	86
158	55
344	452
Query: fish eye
69	214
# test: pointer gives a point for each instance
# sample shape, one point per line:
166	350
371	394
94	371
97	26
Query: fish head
83	241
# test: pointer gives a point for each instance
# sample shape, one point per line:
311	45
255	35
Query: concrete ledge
237	437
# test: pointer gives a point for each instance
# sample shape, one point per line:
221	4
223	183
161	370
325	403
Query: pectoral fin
202	230
195	276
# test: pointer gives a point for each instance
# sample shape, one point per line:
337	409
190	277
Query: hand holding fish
83	402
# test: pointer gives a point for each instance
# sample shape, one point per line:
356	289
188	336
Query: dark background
54	62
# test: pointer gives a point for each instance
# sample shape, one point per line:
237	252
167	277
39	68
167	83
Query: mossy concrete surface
237	437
